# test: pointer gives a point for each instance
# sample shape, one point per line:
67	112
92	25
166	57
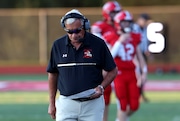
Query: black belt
82	99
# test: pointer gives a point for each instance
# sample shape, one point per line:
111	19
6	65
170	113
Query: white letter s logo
157	39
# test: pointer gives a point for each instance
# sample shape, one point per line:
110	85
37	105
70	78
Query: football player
104	29
125	50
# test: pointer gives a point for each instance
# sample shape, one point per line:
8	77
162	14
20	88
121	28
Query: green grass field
42	77
38	112
32	106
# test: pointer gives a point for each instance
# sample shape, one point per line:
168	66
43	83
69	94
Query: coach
75	69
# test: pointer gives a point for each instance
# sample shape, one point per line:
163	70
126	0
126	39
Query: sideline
43	85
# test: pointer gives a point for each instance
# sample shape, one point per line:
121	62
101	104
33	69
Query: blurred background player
103	29
125	50
143	21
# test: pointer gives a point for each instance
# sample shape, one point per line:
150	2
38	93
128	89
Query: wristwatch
102	88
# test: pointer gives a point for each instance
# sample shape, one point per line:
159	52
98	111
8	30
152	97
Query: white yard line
43	85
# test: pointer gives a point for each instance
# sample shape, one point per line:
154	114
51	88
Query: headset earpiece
86	23
62	22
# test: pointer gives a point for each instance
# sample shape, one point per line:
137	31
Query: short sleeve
52	66
109	63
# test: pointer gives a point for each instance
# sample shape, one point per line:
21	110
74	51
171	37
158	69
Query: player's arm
52	80
142	64
137	71
115	48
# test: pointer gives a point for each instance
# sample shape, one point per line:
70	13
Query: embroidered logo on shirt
64	55
87	53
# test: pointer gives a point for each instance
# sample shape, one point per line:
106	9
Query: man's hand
98	92
52	111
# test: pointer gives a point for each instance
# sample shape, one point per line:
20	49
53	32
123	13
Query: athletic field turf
32	105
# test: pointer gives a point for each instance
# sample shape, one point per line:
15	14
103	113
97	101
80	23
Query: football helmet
123	21
109	9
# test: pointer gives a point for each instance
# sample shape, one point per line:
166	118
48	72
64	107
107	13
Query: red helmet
123	16
110	7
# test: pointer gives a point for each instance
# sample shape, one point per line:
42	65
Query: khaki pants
71	110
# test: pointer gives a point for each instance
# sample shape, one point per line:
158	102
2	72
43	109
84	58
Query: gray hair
72	20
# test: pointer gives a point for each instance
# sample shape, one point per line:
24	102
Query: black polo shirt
81	69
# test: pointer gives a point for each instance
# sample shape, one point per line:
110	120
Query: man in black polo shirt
75	69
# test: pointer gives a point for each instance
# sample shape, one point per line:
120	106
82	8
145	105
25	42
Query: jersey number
126	52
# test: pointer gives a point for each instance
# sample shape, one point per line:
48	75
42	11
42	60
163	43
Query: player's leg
107	96
118	113
134	94
121	115
105	116
143	97
121	94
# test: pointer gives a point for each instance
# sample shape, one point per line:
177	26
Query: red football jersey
103	30
126	51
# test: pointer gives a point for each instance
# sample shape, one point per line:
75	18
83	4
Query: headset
86	22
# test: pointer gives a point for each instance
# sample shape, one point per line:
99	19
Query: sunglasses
74	31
